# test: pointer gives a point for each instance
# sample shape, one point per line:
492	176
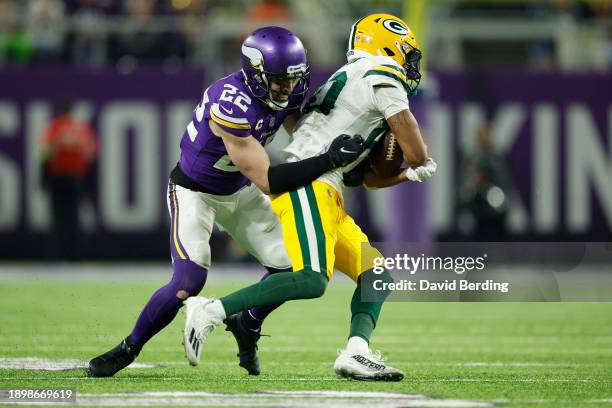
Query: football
387	157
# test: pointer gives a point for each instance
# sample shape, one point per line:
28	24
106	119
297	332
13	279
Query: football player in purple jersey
222	178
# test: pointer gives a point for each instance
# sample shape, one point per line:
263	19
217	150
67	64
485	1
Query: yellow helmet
385	34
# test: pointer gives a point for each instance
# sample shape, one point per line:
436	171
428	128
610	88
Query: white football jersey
357	99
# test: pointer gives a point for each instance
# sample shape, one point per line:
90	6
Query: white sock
217	308
357	345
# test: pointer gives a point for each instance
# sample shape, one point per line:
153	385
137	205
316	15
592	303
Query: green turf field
512	354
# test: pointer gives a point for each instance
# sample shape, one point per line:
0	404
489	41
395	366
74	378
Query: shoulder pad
230	118
387	74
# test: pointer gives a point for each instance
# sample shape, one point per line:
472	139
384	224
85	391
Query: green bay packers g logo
395	27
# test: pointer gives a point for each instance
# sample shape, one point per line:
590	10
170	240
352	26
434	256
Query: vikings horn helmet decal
275	53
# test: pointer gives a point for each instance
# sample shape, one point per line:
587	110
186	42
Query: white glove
422	173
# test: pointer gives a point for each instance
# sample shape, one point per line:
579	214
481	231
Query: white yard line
54	364
306	399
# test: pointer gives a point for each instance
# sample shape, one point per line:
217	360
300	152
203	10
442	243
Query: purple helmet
275	53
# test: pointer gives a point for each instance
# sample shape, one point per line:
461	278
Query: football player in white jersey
367	96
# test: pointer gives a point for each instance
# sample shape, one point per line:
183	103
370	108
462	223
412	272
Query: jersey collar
353	55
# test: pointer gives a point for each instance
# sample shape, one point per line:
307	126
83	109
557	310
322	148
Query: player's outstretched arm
253	161
343	150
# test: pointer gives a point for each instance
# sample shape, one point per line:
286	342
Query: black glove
344	149
355	177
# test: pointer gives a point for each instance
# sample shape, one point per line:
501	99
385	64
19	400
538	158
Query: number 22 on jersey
230	94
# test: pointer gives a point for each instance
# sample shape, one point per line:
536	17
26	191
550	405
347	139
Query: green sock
362	325
277	288
365	314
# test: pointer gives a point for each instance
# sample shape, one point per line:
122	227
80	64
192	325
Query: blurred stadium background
516	106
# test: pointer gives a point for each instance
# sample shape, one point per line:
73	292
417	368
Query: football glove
355	177
345	149
422	173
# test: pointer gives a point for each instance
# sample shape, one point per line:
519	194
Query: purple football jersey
230	104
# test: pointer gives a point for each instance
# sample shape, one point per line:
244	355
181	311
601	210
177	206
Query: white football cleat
365	367
200	321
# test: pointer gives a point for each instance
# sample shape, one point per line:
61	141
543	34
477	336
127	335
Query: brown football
386	157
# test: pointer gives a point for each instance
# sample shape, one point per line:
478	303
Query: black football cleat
247	344
107	364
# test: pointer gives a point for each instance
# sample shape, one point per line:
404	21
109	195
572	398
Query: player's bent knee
315	283
276	257
189	278
319	286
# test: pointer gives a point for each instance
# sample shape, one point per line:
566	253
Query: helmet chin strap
270	100
275	105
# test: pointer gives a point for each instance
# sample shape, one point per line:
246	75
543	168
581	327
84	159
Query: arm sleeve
230	118
291	176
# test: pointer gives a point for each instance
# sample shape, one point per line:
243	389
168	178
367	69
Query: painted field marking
50	364
311	399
